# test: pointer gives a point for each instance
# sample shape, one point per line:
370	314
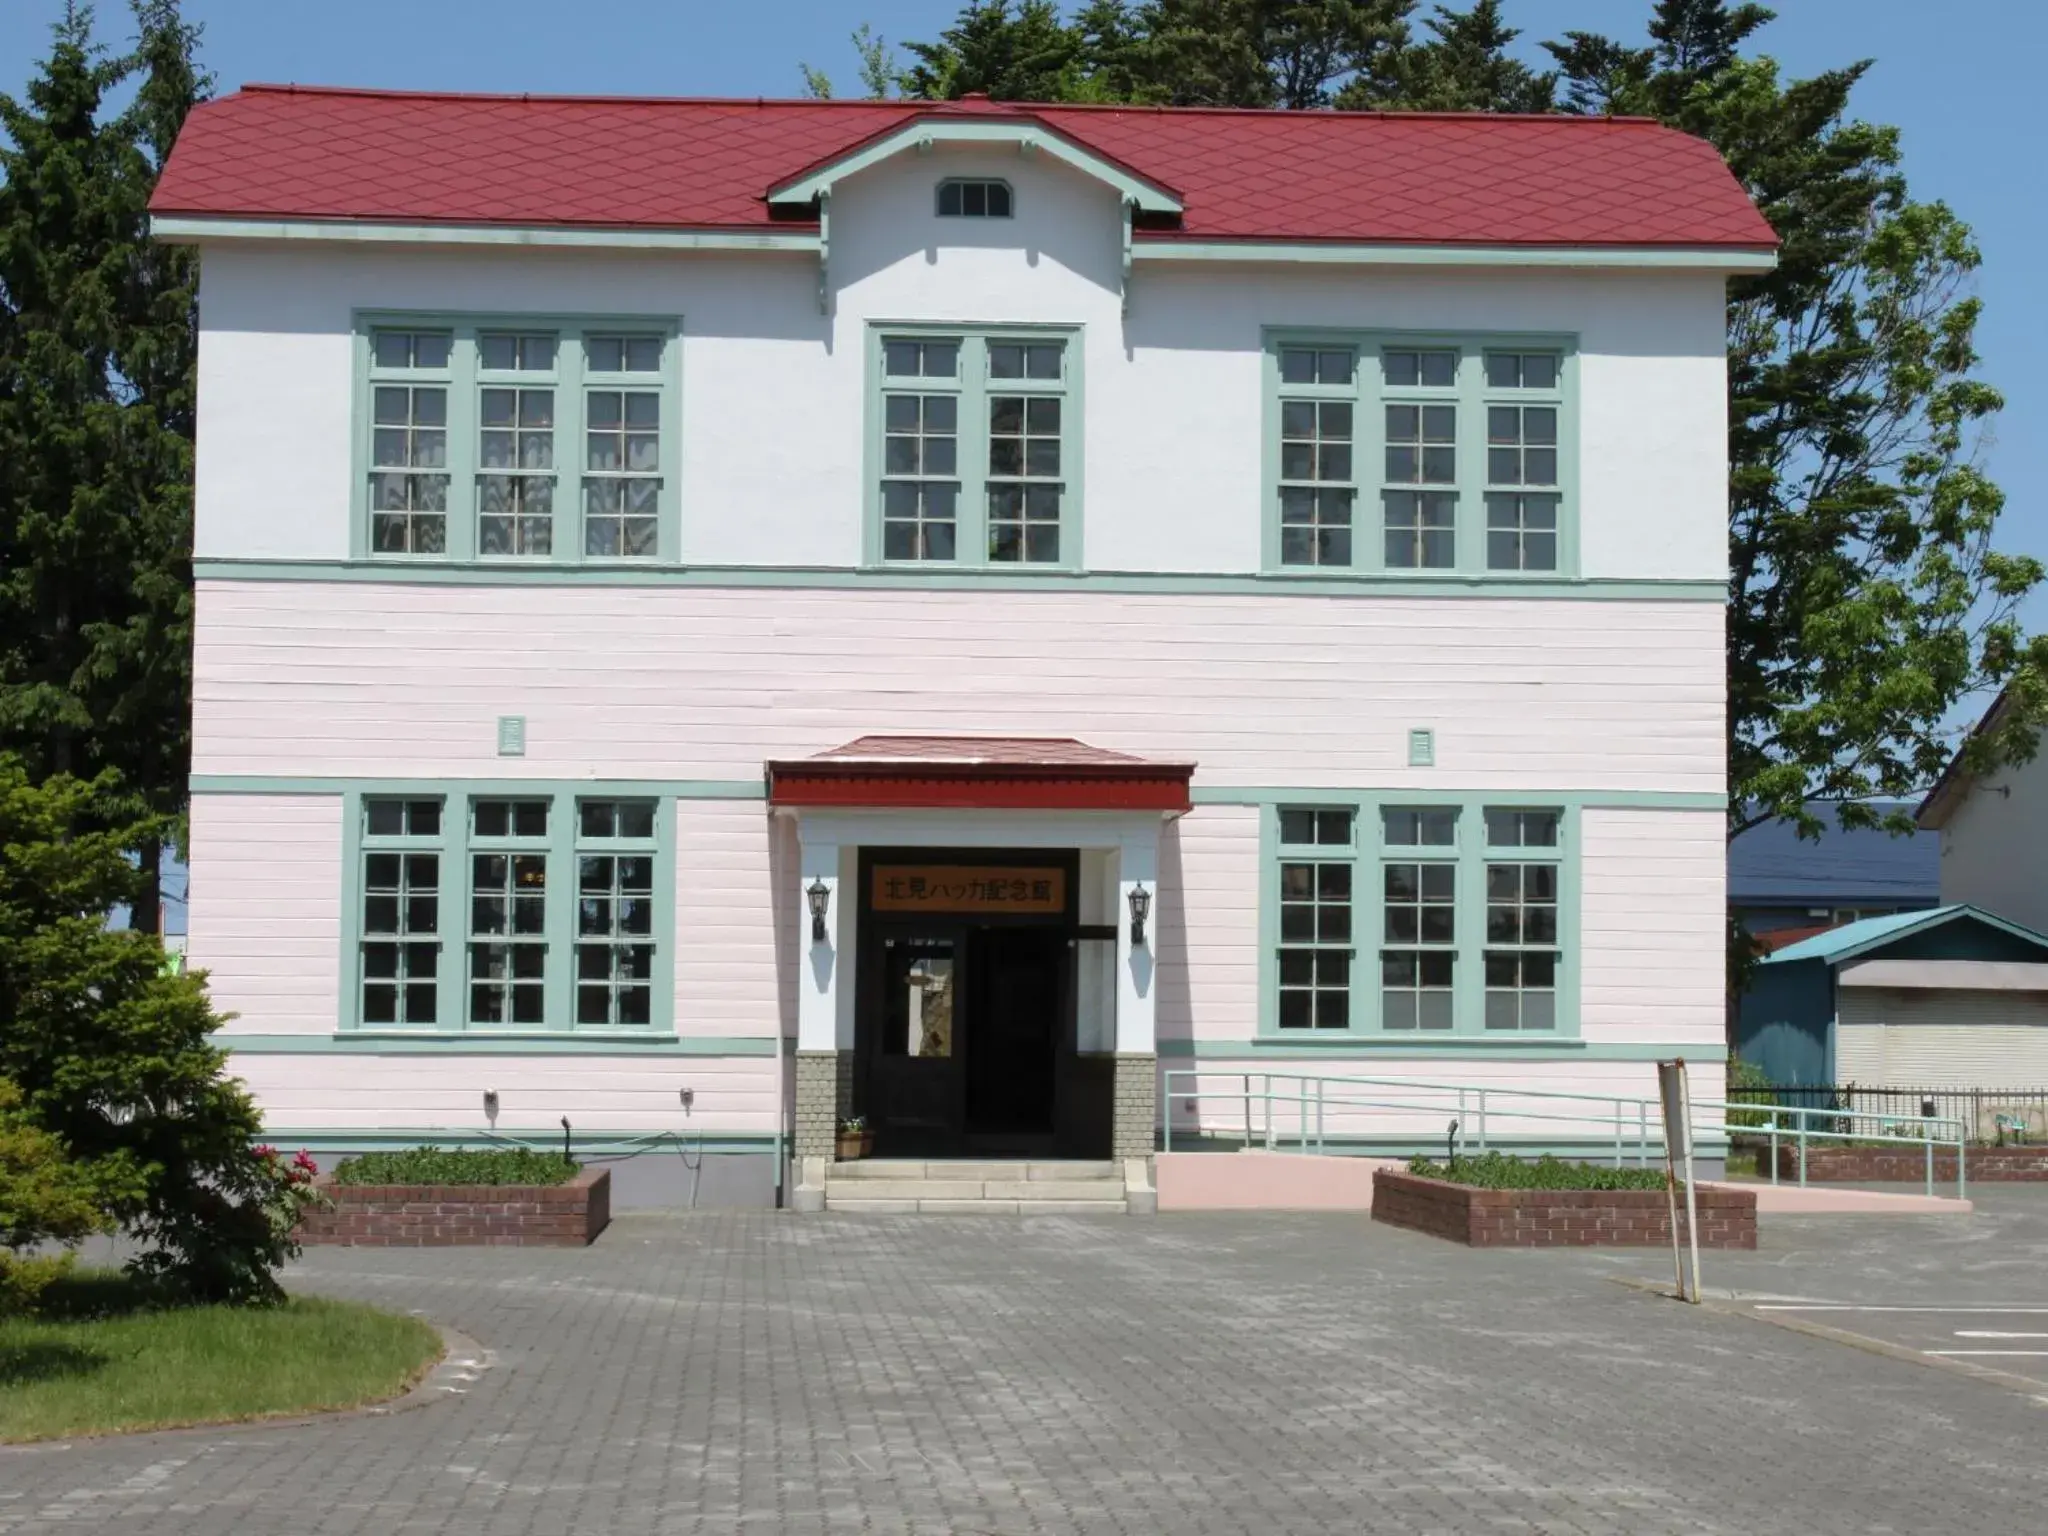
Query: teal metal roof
1853	939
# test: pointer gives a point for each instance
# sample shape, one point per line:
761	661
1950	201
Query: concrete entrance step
895	1186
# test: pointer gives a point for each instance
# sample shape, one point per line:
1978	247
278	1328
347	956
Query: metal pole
1482	1120
1927	1136
1166	1130
1617	1133
1247	1109
1802	1149
1321	1084
1642	1134
1962	1176
1301	1112
1266	1105
1773	1128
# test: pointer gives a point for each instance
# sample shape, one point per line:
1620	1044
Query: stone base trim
1557	1218
1908	1164
824	1098
461	1215
1134	1122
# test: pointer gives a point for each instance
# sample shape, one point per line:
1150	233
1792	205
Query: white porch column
1137	864
817	1009
824	1007
1134	1123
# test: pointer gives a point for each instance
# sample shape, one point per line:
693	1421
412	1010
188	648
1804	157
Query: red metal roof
293	152
979	773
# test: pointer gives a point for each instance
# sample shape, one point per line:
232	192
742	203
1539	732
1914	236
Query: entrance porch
977	973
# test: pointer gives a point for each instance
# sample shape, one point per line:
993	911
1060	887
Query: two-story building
714	617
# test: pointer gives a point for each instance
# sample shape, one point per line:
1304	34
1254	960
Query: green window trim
1315	472
1368	854
455	844
973	393
576	393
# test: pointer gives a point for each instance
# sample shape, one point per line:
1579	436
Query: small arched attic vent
963	197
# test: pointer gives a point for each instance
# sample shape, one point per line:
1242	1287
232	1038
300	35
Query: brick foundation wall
1134	1120
1908	1164
1545	1218
462	1215
824	1097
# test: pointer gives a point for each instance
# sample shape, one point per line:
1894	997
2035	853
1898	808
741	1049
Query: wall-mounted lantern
491	1105
819	894
1141	907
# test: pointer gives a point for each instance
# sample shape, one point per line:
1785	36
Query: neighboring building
1782	885
993	602
1952	998
1994	834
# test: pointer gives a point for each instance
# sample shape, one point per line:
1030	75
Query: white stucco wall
771	463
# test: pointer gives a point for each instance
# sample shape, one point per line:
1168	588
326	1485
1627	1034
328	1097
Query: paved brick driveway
750	1372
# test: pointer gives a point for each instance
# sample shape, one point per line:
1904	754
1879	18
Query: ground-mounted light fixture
1141	907
819	894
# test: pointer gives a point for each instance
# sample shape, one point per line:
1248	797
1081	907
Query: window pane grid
974	448
409	469
508	887
547	424
920	468
973	199
622	472
399	950
1024	485
615	912
516	479
1418	968
1521	945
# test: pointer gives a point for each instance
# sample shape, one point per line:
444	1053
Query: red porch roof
983	773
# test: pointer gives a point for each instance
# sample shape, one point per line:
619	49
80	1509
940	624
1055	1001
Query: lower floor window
614	939
554	912
1459	904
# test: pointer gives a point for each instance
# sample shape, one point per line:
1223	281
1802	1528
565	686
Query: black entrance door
1016	1006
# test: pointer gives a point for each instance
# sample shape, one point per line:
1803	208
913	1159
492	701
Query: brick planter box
1556	1218
1908	1164
462	1215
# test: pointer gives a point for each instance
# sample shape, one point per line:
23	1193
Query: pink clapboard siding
360	678
265	908
732	938
1652	915
1207	926
422	1094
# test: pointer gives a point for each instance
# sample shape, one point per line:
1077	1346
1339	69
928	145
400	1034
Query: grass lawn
96	1361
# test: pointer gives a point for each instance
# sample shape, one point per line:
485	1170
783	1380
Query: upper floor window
520	441
1425	456
976	449
974	199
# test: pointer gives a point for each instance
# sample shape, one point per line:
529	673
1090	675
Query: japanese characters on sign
967	888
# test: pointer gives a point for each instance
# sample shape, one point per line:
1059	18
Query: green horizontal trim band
548	1138
334	784
366	1043
442	573
174	227
1369	1048
1599	799
1700	258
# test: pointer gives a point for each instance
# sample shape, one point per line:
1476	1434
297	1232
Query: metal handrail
1311	1095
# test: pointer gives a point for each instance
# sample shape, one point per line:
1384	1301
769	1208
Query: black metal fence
1988	1114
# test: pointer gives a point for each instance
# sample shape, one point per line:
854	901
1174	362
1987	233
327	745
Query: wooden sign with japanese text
968	888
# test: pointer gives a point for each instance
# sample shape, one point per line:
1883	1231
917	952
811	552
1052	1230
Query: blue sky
1958	79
